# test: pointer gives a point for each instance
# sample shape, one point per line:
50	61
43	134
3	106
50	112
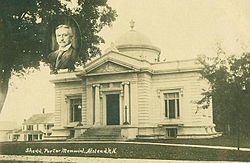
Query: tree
23	26
229	79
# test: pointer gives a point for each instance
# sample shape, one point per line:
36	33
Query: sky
182	29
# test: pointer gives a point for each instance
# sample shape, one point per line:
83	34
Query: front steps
101	134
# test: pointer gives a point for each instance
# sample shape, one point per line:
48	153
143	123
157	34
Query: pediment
109	67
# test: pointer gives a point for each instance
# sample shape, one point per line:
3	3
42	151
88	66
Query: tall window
172	105
75	110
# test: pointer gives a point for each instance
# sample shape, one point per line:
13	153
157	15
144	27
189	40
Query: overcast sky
181	29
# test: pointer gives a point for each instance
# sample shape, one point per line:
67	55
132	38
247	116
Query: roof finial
132	24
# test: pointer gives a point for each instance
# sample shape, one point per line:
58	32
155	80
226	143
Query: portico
111	104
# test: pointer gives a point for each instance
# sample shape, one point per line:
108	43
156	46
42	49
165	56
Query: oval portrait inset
64	44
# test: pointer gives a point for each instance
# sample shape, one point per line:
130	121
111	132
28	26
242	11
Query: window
75	110
30	127
35	137
172	132
48	126
16	137
71	133
172	105
29	137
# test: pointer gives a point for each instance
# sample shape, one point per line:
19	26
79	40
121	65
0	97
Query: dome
137	45
133	37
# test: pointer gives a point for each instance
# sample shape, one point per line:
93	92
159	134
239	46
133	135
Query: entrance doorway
113	109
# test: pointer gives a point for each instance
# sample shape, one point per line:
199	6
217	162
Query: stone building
128	90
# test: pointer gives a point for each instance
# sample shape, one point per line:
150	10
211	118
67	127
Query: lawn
121	150
219	141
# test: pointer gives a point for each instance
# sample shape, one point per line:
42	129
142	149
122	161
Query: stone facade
137	93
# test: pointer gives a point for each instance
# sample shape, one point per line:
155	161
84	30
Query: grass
219	141
136	151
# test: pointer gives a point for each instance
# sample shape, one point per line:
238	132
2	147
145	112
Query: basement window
172	132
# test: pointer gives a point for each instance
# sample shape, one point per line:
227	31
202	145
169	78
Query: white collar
65	48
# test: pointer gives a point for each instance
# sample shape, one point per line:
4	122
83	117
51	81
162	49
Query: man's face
63	37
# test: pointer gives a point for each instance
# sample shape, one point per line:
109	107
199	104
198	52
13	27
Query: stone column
126	103
97	105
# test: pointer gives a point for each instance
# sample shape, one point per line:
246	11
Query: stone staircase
101	134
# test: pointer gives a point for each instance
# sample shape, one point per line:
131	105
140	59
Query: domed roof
137	45
133	37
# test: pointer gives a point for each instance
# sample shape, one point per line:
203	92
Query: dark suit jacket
68	59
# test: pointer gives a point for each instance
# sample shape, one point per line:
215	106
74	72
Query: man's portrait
64	55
